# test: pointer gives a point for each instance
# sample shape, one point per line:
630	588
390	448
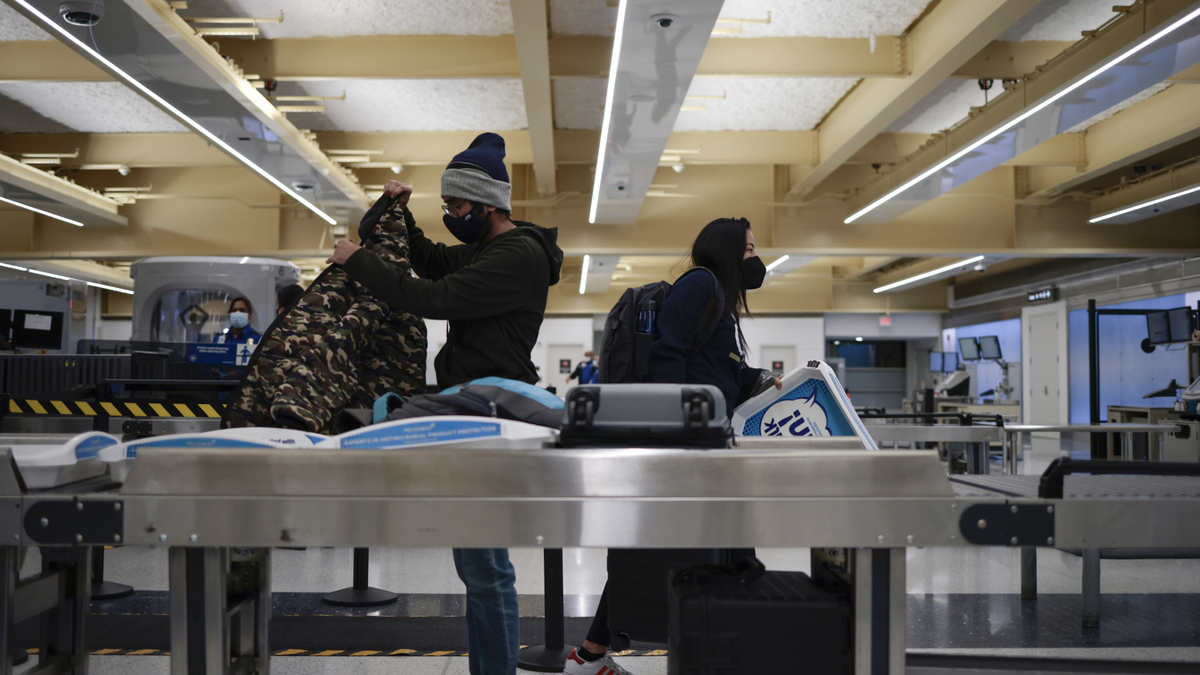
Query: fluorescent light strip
778	261
587	263
27	207
1143	205
110	288
57	276
608	108
48	274
1021	118
926	275
189	121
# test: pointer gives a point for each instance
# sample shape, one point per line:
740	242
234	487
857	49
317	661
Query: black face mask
469	228
753	273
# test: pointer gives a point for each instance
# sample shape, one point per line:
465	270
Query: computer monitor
989	347
949	362
935	362
1179	324
969	348
1158	328
37	329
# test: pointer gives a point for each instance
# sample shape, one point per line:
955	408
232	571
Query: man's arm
496	283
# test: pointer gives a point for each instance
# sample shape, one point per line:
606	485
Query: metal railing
1016	435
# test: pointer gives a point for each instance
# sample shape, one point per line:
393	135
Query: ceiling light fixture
587	262
778	261
1020	118
58	276
926	275
608	109
126	291
27	207
175	111
1143	204
14	267
48	274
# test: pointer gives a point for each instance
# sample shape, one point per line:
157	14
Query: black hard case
723	622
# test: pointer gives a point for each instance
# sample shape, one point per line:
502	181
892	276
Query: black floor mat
312	633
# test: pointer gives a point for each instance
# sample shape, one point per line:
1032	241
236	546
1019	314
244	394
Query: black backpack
624	349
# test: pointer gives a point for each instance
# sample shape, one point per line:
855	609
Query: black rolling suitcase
637	587
744	620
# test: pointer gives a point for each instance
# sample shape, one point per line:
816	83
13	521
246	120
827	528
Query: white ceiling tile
944	107
14	26
1059	20
579	102
315	18
814	18
413	105
91	107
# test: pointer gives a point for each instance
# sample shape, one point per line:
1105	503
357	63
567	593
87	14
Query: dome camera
303	186
86	14
664	20
980	267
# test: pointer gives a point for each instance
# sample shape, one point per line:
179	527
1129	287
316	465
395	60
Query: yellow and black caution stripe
27	406
347	652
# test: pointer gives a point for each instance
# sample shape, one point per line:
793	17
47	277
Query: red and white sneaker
601	666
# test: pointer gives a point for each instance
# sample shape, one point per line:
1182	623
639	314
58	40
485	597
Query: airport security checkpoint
599	338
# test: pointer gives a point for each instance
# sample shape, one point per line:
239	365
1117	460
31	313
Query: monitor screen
1157	327
950	362
1179	324
935	362
989	347
37	329
969	347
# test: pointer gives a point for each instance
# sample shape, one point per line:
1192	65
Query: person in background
700	342
239	331
586	371
287	297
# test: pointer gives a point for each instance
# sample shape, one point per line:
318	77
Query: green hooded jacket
492	292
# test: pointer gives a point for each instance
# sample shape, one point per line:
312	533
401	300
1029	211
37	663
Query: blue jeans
493	624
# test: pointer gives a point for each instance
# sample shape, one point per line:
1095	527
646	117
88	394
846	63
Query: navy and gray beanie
477	174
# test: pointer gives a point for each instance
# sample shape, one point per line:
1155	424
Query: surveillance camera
303	186
677	168
980	267
664	20
124	170
85	14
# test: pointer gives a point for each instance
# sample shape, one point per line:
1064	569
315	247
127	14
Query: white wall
806	334
114	329
903	327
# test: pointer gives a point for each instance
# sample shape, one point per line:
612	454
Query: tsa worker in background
239	331
587	371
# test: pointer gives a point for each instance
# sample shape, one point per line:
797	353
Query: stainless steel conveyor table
220	511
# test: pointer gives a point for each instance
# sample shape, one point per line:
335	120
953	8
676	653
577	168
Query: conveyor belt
1081	487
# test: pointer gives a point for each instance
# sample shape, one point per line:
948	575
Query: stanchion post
101	589
552	656
360	594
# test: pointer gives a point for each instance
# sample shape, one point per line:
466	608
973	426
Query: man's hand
402	191
342	252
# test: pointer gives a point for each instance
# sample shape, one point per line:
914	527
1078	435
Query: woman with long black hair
699	342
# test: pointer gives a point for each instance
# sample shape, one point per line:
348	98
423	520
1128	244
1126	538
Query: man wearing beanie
492	288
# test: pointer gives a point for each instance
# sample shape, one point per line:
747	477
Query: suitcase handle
742	571
582	403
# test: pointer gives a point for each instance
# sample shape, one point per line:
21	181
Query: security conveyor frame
220	510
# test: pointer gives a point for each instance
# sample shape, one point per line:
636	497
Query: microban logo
799	417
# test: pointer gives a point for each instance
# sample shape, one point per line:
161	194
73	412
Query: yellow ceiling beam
66	192
1162	121
939	44
1168	180
531	27
132	150
46	61
1084	56
999	60
1062	150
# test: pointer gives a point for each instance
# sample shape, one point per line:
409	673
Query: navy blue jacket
717	362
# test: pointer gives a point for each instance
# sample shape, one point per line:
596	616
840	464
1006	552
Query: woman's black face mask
754	272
